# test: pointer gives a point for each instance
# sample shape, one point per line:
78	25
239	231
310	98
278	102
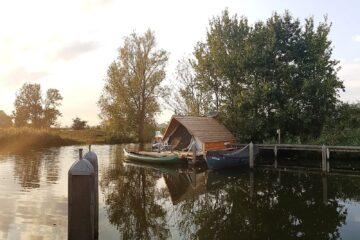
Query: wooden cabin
207	133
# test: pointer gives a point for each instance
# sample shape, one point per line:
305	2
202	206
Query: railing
325	151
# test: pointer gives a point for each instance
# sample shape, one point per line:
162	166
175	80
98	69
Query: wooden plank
215	145
305	147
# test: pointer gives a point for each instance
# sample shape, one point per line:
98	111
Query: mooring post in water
93	159
327	160
251	155
324	164
324	186
276	156
194	153
81	200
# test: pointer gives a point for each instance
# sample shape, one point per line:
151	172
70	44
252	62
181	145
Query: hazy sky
69	44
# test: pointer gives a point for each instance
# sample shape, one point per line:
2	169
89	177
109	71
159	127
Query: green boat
169	159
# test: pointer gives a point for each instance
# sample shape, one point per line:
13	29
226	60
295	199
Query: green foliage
343	127
5	120
274	74
50	107
133	86
191	99
32	110
78	124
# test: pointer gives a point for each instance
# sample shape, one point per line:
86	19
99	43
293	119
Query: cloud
75	49
349	73
19	75
356	38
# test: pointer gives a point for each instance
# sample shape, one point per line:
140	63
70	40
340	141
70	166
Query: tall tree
31	109
51	105
273	74
28	105
220	59
133	85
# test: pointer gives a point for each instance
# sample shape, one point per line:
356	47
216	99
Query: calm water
147	202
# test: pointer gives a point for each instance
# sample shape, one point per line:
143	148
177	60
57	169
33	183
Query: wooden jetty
325	151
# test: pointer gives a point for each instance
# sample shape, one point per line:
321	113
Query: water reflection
156	202
264	204
30	208
286	209
30	166
133	205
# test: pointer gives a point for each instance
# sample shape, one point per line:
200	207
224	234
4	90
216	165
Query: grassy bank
14	139
86	136
18	139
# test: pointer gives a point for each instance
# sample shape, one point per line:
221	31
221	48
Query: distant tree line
34	110
5	120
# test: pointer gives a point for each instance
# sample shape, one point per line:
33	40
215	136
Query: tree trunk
141	126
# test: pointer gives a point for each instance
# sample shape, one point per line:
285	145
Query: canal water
156	202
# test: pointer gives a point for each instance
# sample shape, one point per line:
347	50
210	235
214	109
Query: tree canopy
274	74
133	86
5	120
78	124
31	109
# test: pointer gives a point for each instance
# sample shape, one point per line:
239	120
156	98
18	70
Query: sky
69	44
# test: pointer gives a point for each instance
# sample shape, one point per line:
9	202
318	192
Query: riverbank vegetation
17	139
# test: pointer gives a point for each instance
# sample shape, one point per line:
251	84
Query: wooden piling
323	159
276	157
251	155
93	159
194	153
81	206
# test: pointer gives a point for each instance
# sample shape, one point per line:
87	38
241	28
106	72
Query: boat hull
171	159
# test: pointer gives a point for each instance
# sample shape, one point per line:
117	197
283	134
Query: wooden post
276	157
251	155
323	158
194	153
327	160
93	159
81	206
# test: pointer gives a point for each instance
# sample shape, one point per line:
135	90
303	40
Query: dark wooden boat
226	159
172	158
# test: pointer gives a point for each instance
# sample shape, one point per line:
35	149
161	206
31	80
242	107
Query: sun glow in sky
68	45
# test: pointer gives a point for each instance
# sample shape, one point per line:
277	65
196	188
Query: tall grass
13	139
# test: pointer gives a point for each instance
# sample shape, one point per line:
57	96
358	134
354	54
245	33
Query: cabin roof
206	129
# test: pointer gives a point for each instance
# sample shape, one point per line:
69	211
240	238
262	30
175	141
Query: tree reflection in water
31	165
201	204
289	208
133	205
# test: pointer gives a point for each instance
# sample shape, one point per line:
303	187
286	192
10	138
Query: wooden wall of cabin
216	145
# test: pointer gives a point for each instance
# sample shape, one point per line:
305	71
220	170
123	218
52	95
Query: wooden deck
325	151
302	147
